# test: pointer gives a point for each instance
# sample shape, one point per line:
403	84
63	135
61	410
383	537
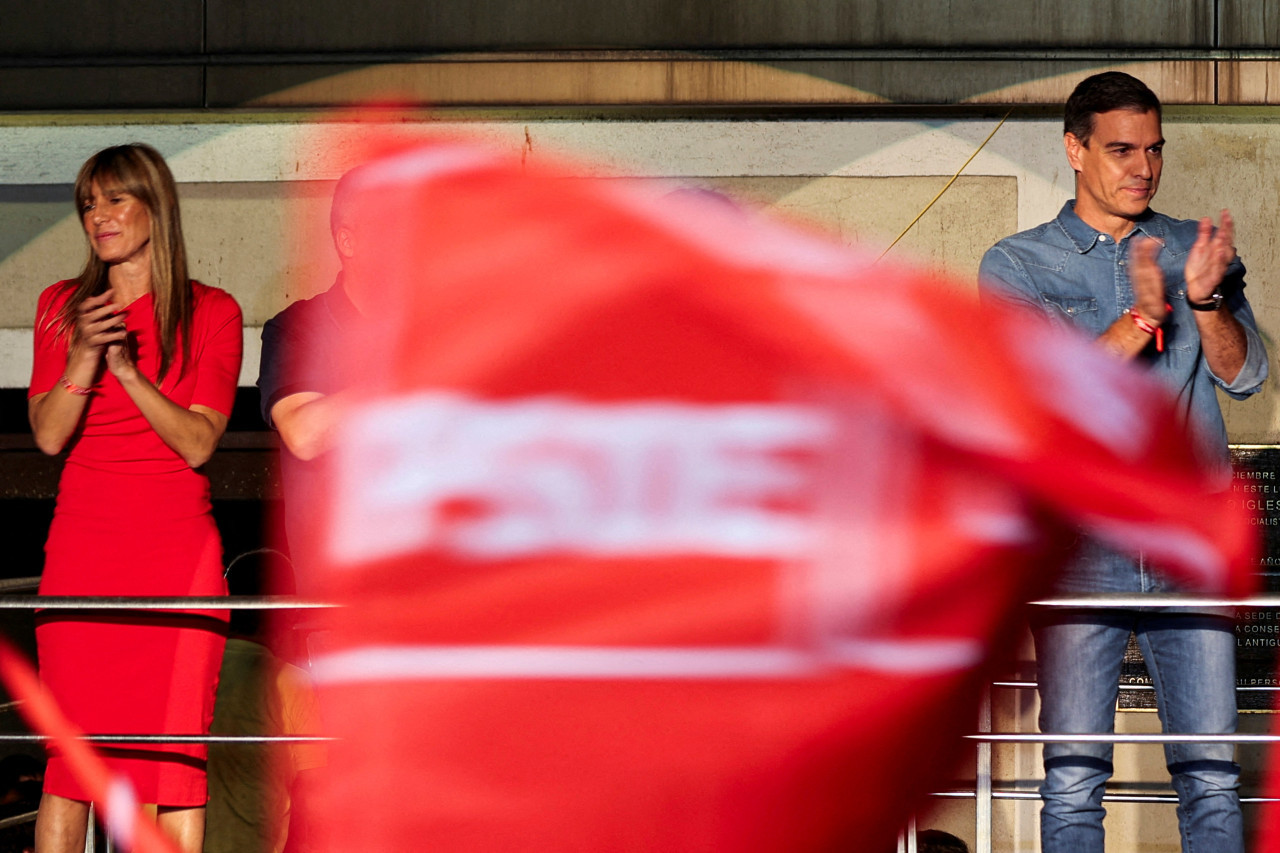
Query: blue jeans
1191	659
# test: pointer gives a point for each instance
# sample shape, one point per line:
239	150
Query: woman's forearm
191	433
55	415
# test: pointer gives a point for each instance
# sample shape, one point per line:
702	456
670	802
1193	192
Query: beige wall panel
1004	82
54	249
1209	167
1140	769
580	83
955	816
684	82
953	235
747	82
531	83
1249	83
240	237
1173	82
244	238
463	83
868	179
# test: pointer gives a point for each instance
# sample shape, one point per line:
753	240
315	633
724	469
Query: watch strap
1214	303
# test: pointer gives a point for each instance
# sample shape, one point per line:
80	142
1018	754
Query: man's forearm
1224	343
306	421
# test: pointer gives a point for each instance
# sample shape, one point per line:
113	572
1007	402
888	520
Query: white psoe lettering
492	480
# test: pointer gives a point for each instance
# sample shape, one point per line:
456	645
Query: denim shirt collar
1084	236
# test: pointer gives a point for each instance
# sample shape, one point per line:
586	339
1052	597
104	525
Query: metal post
982	789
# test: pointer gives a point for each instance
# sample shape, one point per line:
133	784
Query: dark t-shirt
303	349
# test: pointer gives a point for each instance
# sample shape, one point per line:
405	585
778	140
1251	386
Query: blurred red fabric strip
113	797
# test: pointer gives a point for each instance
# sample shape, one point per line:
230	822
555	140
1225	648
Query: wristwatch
1214	303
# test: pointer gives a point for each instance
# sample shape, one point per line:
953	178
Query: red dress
133	519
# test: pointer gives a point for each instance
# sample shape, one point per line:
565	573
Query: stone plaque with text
1257	487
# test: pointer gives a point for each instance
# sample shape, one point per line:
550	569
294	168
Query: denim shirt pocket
1070	306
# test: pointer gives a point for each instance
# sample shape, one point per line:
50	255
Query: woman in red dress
135	372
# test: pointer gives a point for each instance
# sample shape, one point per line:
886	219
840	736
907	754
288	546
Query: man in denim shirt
1170	294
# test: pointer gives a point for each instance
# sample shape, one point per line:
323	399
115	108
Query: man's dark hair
1101	93
937	841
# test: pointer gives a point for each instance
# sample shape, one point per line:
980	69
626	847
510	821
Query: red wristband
74	388
1149	328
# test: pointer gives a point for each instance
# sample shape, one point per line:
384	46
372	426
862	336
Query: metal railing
984	793
10	600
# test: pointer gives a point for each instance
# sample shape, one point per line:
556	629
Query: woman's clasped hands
100	331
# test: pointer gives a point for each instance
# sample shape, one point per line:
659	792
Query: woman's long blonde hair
139	170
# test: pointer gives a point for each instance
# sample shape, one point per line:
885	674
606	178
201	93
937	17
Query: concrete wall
246	184
253	188
612	79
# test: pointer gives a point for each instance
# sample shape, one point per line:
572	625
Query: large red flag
662	526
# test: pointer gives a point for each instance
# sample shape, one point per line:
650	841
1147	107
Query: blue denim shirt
1078	277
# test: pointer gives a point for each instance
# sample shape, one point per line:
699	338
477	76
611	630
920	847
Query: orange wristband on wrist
74	388
1149	328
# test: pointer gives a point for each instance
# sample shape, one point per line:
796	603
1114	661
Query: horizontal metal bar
135	602
1111	798
13	737
1114	737
1127	600
17	819
285	602
243	439
1137	688
1100	54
